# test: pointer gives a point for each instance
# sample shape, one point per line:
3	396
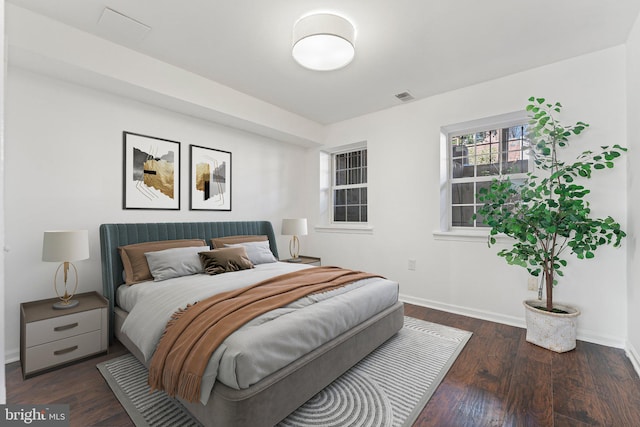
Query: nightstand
50	338
311	260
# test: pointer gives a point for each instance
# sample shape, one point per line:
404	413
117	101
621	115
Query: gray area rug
389	387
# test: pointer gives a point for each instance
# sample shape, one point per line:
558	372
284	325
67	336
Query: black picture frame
209	179
151	172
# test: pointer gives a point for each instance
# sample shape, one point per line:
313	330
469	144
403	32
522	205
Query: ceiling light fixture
323	42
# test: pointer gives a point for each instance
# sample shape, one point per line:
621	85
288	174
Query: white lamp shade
323	42
294	227
65	245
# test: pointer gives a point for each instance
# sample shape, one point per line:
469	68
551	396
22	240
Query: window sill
468	236
346	228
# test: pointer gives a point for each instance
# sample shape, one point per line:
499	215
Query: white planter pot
553	331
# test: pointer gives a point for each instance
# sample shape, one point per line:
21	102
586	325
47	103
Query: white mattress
265	344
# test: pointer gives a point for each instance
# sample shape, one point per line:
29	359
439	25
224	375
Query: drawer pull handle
65	327
65	350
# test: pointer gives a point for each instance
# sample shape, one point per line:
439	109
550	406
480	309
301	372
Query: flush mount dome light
323	42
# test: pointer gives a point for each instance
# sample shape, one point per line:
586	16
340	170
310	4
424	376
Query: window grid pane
477	158
350	187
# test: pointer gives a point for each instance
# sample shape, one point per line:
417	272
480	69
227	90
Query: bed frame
276	396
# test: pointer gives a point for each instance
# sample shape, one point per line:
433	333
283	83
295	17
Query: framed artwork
151	172
210	188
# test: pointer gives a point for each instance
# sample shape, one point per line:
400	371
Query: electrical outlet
532	284
412	264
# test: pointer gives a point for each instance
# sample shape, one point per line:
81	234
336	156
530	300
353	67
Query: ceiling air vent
121	27
404	96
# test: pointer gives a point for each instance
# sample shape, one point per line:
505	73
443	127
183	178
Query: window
349	187
477	155
344	193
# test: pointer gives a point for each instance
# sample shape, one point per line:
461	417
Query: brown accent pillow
224	260
219	242
134	261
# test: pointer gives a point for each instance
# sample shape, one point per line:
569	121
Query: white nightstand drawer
58	328
50	337
55	353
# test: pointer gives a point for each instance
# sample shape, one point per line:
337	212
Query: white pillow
257	252
175	262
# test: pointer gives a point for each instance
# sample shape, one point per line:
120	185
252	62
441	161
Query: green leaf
548	214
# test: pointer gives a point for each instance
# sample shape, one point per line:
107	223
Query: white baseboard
11	356
519	322
634	356
465	311
596	338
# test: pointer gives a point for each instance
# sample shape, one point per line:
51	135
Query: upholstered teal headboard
114	235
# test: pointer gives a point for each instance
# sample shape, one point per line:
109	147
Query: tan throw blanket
193	334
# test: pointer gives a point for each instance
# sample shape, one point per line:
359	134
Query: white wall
404	160
633	112
48	46
64	170
3	391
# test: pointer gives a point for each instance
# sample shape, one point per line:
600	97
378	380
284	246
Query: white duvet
267	343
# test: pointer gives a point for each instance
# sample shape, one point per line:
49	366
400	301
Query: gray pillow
257	252
175	262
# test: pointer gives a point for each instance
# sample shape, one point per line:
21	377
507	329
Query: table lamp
294	227
65	246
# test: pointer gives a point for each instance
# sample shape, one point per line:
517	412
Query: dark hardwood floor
79	385
498	380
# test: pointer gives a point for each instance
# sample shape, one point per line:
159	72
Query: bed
275	394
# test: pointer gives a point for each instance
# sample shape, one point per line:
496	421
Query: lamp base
294	260
61	305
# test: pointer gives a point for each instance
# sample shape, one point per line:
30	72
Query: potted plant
549	218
